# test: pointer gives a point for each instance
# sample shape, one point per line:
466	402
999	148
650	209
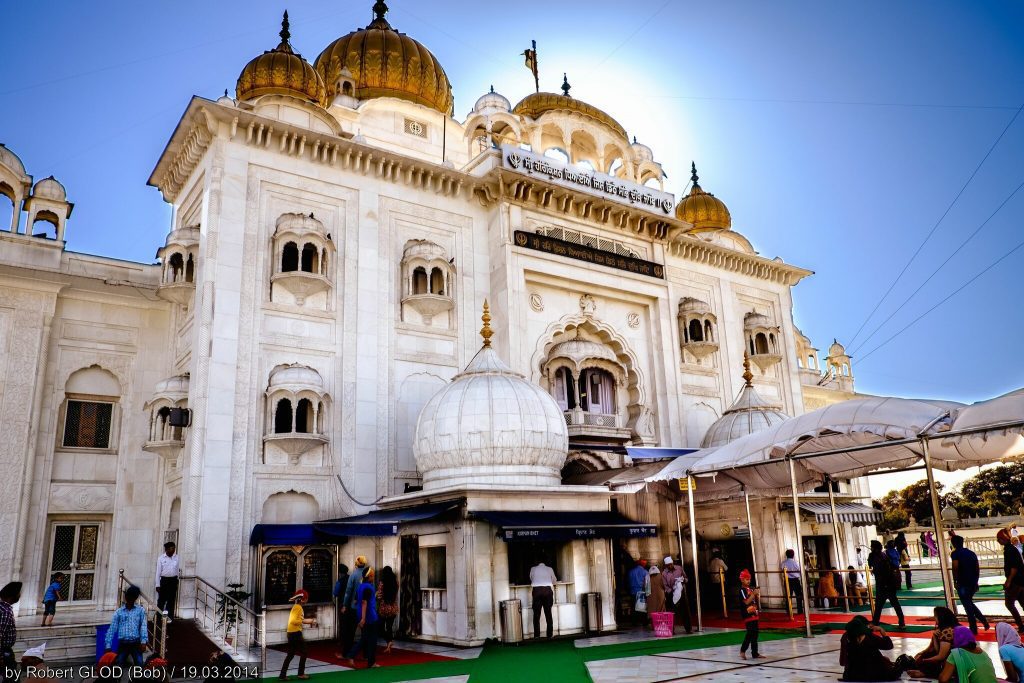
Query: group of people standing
662	589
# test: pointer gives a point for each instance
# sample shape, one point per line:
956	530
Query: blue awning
639	453
283	534
383	522
564	526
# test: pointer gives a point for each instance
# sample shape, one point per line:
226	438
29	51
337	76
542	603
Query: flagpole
536	71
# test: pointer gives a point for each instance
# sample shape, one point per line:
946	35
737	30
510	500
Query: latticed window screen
74	555
87	424
279	579
576	237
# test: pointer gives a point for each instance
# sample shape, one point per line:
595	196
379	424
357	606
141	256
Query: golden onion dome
540	102
702	209
281	71
386	63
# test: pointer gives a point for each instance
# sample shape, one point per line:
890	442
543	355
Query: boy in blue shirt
129	623
50	598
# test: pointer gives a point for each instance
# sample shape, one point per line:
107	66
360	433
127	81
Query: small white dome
172	386
49	188
490	426
295	378
299	223
750	413
642	151
754	320
423	249
691	305
836	349
11	160
492	101
579	350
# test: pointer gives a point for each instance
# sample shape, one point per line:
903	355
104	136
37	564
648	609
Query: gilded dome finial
286	34
380	8
565	84
486	332
748	376
694	178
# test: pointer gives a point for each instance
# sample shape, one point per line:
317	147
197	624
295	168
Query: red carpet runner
324	650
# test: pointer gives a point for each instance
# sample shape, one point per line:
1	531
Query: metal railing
233	627
435	599
157	626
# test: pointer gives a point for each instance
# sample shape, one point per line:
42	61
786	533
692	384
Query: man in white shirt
792	569
716	569
542	580
167	580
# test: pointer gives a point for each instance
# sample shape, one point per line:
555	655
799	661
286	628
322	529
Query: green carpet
556	660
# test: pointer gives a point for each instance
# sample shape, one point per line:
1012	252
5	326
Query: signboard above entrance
575	178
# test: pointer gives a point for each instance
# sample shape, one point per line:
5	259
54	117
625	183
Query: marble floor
795	660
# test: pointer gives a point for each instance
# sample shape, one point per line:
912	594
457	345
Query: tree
999	490
912	501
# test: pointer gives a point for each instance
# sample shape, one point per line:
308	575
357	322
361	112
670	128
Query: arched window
558	154
160	431
708	332
283	417
419	281
290	257
309	258
773	344
44	227
760	344
304	416
175	267
346	88
7	209
89	410
437	281
565	389
190	269
323	262
320	418
696	334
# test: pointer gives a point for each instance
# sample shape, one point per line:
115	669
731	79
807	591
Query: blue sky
837	133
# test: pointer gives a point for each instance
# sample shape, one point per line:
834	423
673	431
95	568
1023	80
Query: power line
947	298
629	37
941	266
857	103
935	227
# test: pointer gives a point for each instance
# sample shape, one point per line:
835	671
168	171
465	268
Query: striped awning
849	513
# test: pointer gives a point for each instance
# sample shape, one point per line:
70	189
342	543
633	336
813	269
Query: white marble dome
295	377
11	160
579	350
642	151
492	101
50	188
176	386
490	426
750	413
836	349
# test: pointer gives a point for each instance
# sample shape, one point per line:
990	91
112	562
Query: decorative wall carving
82	498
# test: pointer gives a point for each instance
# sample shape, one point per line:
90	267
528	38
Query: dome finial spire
380	8
286	34
748	376
486	332
693	174
565	84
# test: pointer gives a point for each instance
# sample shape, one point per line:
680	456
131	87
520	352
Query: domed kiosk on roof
281	71
490	426
492	102
702	209
383	62
748	414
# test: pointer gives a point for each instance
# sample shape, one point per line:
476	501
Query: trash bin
101	637
593	619
511	621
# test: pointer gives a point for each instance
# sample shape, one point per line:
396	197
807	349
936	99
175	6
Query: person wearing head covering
827	592
296	642
129	623
167	580
860	653
750	604
966	572
366	598
1013	570
656	596
903	549
1011	651
673	579
9	596
967	663
887	582
348	606
928	662
716	570
792	569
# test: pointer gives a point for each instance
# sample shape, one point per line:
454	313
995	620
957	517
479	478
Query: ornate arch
635	381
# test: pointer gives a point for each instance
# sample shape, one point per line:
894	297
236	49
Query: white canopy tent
857	438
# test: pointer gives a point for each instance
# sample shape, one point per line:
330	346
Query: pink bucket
664	624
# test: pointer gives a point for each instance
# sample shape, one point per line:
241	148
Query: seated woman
855	587
1011	652
928	662
967	663
827	592
861	657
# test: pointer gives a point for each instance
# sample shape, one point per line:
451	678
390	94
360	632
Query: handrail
241	633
